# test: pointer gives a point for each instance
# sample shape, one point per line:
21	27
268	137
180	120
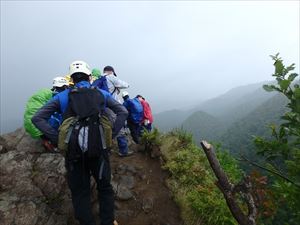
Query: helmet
79	67
68	78
96	73
125	93
60	82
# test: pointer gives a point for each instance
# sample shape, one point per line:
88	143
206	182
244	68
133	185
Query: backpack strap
101	130
70	130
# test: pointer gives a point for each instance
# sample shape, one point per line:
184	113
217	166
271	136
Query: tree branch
269	170
229	190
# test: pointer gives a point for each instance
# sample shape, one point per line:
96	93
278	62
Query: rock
28	144
121	169
123	193
147	205
131	169
26	213
124	213
3	145
12	139
33	189
127	181
115	185
15	163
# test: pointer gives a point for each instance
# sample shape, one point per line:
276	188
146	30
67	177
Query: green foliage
193	182
152	138
183	135
282	151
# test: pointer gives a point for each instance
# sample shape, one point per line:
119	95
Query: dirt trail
151	203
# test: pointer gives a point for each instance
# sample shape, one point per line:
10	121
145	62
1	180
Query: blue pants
122	144
148	127
135	131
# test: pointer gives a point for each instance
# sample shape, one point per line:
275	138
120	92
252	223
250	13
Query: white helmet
60	82
125	93
79	67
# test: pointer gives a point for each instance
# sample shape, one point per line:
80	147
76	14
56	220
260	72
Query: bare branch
229	190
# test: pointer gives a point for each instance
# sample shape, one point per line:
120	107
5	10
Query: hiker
68	78
109	82
148	118
96	74
86	141
35	102
134	120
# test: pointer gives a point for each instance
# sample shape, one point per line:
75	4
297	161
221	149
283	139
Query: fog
176	54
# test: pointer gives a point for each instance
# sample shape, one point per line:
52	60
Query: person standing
114	83
35	102
135	117
111	83
86	153
148	117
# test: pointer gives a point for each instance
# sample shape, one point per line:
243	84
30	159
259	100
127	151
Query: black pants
135	131
78	176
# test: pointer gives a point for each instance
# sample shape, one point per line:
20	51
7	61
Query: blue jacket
56	118
135	110
59	103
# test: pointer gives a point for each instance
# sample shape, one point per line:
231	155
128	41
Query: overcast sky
176	54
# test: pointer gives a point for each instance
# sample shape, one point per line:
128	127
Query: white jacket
114	85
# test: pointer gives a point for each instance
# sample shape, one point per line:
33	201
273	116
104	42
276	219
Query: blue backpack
135	109
101	83
55	120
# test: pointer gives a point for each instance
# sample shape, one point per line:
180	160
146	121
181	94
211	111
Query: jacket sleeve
41	117
117	83
121	114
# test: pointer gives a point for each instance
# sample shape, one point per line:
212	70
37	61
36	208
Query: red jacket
147	111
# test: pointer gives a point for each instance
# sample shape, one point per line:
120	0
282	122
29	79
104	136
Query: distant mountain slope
236	103
227	108
238	138
203	126
168	120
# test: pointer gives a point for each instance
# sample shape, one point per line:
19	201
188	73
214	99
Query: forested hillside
239	137
168	120
227	108
203	126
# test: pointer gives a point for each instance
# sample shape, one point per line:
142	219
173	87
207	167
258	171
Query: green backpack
34	103
65	130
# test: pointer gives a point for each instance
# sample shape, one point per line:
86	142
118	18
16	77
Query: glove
49	146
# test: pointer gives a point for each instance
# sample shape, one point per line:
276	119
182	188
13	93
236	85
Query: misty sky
176	54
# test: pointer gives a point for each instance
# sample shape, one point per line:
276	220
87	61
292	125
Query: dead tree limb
229	190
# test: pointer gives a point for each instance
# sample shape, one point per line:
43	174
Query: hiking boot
129	153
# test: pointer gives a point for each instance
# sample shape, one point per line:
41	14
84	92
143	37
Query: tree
281	152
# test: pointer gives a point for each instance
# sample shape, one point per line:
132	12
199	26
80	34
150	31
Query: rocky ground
33	189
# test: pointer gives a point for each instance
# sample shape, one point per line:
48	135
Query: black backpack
85	134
